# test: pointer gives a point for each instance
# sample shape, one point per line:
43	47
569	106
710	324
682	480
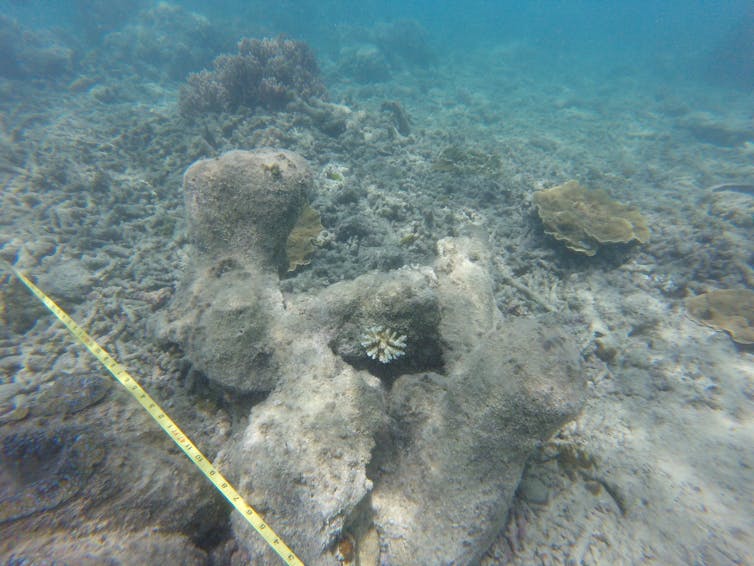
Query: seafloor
658	466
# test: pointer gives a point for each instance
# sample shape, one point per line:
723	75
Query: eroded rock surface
245	203
417	459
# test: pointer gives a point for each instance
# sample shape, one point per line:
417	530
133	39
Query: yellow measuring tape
167	424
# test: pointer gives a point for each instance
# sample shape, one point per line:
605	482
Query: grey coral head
383	344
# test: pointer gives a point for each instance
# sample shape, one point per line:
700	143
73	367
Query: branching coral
267	72
383	344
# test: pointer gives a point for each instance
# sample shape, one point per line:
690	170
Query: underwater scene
376	283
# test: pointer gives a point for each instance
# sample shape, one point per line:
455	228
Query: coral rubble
26	53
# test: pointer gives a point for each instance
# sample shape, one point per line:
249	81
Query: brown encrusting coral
585	219
267	73
301	241
731	310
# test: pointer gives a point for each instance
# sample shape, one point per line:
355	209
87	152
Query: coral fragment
383	344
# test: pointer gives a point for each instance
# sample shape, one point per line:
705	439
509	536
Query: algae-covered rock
242	208
303	458
223	316
403	303
461	441
466	293
433	444
382	452
731	310
461	437
245	203
585	219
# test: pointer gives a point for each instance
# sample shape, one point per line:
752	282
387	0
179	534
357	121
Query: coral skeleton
383	344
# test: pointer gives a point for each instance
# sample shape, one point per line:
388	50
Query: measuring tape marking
167	424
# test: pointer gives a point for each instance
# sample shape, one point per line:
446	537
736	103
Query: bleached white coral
383	344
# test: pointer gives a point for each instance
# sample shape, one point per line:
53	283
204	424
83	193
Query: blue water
708	38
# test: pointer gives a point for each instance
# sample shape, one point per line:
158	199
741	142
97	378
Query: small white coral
383	344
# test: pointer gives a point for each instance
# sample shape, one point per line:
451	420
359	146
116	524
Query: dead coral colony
383	344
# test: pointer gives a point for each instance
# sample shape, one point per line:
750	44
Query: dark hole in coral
551	342
424	355
224	266
212	538
351	228
29	458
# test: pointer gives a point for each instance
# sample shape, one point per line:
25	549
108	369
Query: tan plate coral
584	220
731	310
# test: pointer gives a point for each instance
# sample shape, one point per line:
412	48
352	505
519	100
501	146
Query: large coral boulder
333	449
303	459
245	203
223	316
415	457
462	439
241	208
